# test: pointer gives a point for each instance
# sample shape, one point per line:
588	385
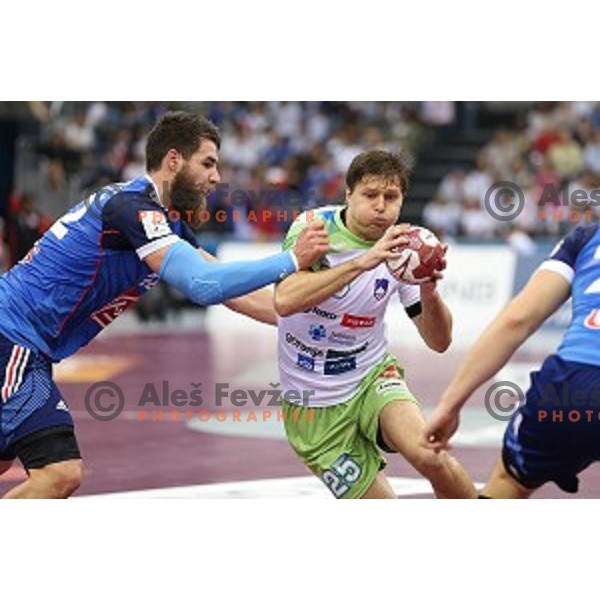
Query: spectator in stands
566	156
583	131
26	224
452	187
520	241
591	154
520	173
305	145
475	222
442	215
545	140
479	181
79	136
501	155
438	113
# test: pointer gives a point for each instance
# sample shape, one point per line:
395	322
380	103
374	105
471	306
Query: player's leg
55	481
52	460
502	485
36	426
391	418
401	426
328	441
537	449
380	489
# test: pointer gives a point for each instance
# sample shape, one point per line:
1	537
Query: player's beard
187	198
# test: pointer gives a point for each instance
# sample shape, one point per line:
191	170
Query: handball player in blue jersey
555	434
96	261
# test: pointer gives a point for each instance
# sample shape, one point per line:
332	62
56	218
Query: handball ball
418	258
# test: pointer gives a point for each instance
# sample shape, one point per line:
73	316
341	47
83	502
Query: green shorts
339	443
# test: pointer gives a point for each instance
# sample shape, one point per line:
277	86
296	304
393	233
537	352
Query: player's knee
432	465
67	478
62	479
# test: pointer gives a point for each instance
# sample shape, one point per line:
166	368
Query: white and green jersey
328	349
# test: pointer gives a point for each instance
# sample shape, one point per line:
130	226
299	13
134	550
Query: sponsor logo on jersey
306	362
154	223
357	322
345	353
296	343
381	288
317	332
315	310
337	367
343	339
107	314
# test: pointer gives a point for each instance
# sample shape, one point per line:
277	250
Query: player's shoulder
572	244
127	199
323	214
583	234
141	185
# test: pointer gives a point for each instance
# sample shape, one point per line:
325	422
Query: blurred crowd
551	153
299	151
275	150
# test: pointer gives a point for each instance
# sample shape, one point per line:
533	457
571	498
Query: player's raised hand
439	429
383	249
312	244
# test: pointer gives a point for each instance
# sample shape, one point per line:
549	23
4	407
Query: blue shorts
556	434
30	402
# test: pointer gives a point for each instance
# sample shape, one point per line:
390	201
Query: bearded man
96	261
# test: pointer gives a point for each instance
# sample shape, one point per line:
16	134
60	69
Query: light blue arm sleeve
205	282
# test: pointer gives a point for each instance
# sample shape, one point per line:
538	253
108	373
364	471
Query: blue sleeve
212	283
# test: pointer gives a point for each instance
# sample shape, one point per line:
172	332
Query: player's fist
439	429
311	245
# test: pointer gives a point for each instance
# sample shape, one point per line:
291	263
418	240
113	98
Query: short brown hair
380	163
181	131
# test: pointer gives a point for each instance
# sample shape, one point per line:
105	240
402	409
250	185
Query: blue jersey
87	269
577	258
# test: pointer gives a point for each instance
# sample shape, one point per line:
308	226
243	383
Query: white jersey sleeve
409	294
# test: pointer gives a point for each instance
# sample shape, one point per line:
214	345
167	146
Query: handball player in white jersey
346	398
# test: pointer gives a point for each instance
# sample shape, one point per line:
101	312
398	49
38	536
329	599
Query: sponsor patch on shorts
394	385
